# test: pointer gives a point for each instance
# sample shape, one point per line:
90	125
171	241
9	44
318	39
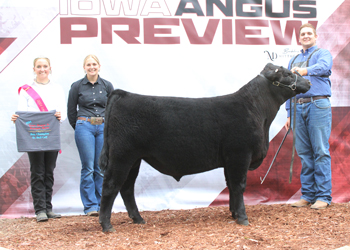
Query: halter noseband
292	86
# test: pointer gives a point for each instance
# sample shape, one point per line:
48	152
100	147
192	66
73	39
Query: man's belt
93	120
309	99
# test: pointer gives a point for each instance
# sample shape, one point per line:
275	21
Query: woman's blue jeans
89	140
313	129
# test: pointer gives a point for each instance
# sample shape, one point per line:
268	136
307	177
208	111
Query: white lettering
85	7
112	8
155	6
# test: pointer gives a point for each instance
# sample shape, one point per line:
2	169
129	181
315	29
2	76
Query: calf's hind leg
115	176
128	194
231	199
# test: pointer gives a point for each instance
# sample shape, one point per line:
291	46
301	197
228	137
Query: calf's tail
104	156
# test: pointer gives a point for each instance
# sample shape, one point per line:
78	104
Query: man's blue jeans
89	140
313	129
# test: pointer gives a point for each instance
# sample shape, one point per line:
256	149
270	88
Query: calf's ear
273	74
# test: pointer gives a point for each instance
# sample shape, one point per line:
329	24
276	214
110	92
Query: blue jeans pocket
80	122
322	103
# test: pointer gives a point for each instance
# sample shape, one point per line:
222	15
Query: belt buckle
96	120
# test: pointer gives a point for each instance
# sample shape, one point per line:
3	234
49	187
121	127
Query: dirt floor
271	227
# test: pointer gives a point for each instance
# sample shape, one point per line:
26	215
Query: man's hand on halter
301	71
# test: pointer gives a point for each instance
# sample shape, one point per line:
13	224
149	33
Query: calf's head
283	77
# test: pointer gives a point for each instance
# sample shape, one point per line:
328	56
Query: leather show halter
292	87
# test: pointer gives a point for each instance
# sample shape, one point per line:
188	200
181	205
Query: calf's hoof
108	230
243	222
139	221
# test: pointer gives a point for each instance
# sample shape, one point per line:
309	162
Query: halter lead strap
292	86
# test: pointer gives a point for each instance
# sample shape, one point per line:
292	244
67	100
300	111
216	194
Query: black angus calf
183	136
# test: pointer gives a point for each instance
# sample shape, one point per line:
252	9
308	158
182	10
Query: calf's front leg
236	183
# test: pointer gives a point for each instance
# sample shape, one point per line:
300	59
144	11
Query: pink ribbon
35	96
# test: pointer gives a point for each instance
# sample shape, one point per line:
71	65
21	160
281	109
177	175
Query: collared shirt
87	99
52	95
320	64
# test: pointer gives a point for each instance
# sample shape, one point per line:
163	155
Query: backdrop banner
185	48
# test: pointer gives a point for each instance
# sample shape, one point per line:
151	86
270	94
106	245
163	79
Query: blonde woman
86	109
42	95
